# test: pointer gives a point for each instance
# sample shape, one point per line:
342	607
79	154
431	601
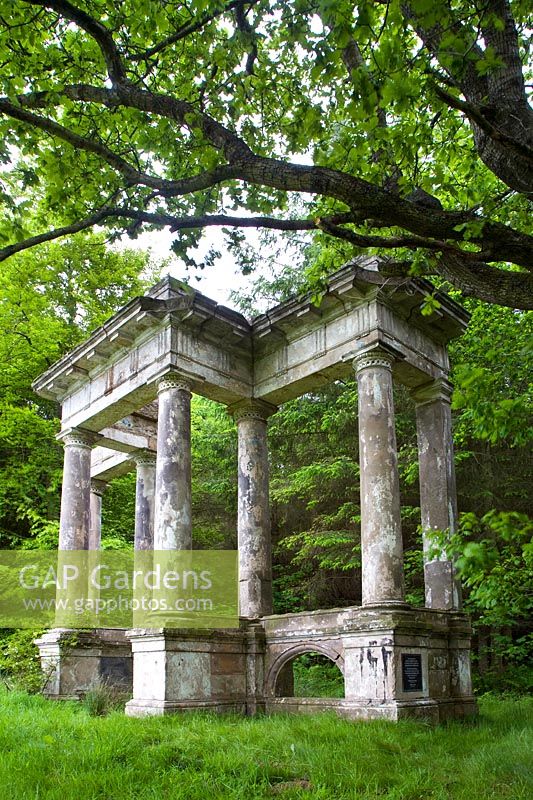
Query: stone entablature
296	347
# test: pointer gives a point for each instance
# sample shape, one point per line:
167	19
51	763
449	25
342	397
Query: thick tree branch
493	285
95	29
497	89
473	278
56	233
366	199
464	270
410	242
475	114
507	81
169	221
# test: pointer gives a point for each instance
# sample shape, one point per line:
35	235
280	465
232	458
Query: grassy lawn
56	751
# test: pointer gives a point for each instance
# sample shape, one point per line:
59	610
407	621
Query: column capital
78	437
98	487
145	458
376	355
173	380
437	389
252	409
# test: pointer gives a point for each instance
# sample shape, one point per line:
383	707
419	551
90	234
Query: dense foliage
389	126
49	300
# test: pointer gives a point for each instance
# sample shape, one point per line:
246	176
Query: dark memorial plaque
412	672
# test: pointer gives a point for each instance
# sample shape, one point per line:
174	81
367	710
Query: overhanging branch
392	242
49	236
366	200
160	220
464	270
95	29
166	188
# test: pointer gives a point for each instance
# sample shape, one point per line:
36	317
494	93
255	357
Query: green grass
56	751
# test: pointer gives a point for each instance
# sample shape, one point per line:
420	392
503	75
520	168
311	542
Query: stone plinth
397	662
181	669
403	662
74	662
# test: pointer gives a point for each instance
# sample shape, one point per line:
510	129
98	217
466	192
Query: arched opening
310	674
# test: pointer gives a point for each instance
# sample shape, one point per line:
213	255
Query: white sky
216	281
223	276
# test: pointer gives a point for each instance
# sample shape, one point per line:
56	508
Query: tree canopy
400	128
49	300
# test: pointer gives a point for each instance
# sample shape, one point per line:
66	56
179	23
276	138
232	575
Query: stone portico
125	395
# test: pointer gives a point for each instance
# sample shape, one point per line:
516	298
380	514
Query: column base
75	661
408	663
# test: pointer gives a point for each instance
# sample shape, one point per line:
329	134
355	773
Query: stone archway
275	673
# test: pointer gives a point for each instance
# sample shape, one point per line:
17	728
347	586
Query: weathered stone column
438	498
253	525
381	534
76	490
172	511
144	500
95	513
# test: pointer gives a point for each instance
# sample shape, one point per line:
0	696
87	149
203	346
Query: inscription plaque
412	672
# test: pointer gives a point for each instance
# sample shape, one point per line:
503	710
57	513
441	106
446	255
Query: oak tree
399	127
